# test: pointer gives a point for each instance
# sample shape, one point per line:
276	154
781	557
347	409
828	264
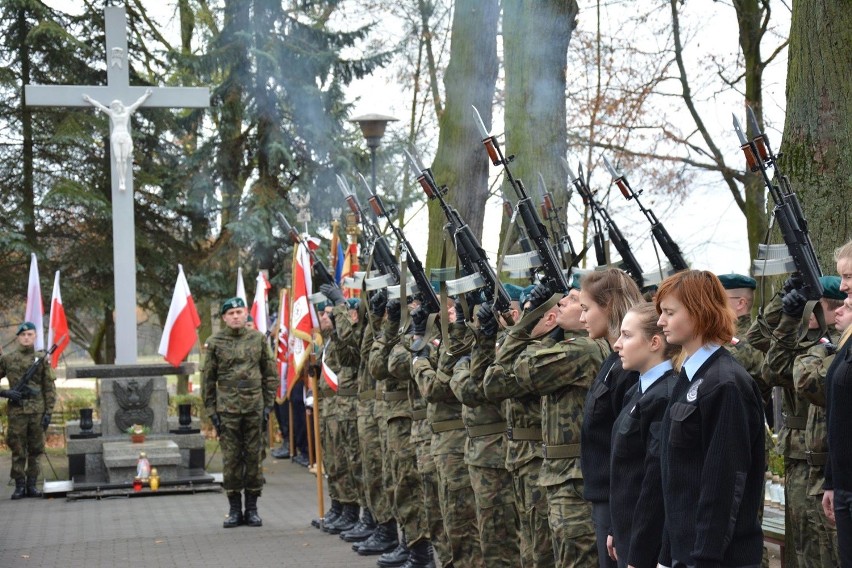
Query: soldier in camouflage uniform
29	413
523	420
560	368
342	356
778	371
240	380
485	454
809	372
444	414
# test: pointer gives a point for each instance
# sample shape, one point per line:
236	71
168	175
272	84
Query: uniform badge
692	394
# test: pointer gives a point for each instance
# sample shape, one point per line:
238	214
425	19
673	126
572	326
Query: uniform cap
27	325
231	303
733	281
514	291
353	303
575	281
525	294
831	288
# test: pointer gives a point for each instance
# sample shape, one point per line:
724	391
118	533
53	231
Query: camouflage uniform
326	404
444	414
778	371
378	368
375	493
750	357
485	456
407	484
343	357
561	373
25	435
240	380
809	371
524	457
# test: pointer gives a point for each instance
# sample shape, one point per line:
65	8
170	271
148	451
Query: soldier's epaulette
555	350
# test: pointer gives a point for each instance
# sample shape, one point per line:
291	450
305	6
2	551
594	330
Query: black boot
383	540
345	522
32	490
421	555
396	557
235	513
251	516
20	489
362	530
330	515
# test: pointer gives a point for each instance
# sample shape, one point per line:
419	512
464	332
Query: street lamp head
373	127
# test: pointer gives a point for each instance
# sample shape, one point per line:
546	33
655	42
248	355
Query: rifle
471	255
788	210
552	275
382	255
319	268
424	286
600	218
23	387
557	227
523	239
670	248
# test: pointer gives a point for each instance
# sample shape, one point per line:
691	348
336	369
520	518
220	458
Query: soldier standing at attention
240	380
29	414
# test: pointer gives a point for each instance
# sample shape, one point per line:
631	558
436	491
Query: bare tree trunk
816	142
460	161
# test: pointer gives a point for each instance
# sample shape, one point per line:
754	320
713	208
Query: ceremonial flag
241	286
35	307
283	347
57	329
350	266
303	318
181	330
260	306
329	375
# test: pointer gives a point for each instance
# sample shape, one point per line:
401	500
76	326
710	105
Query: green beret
831	288
353	303
575	281
26	326
231	303
320	306
514	291
733	281
525	294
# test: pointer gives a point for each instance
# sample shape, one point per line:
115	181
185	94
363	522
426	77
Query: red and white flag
283	347
35	307
57	329
181	330
260	306
241	286
329	375
303	318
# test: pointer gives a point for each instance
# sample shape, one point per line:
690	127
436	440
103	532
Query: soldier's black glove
11	394
378	303
423	350
45	421
394	311
266	411
418	321
487	321
792	283
539	295
333	293
793	303
459	311
217	423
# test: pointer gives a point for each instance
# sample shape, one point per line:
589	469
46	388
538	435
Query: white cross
118	89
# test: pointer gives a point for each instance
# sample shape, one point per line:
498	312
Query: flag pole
317	442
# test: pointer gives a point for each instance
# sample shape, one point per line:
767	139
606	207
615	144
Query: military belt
816	458
394	396
347	392
563	451
367	395
796	455
418	414
486	429
796	422
524	434
446	426
241	384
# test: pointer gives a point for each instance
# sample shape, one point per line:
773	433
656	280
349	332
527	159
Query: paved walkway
171	530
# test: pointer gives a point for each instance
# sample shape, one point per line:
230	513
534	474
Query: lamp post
373	128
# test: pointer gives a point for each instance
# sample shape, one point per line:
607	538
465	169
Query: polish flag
181	330
260	306
241	286
283	347
58	327
303	317
35	307
329	375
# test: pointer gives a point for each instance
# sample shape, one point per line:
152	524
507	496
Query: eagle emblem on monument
134	404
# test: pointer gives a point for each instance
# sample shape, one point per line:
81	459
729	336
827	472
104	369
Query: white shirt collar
650	376
691	365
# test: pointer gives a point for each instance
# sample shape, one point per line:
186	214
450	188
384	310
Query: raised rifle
383	258
424	286
523	239
788	210
670	248
600	219
319	268
23	386
552	274
471	255
557	226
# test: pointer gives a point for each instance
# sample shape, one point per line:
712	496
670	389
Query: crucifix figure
118	89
